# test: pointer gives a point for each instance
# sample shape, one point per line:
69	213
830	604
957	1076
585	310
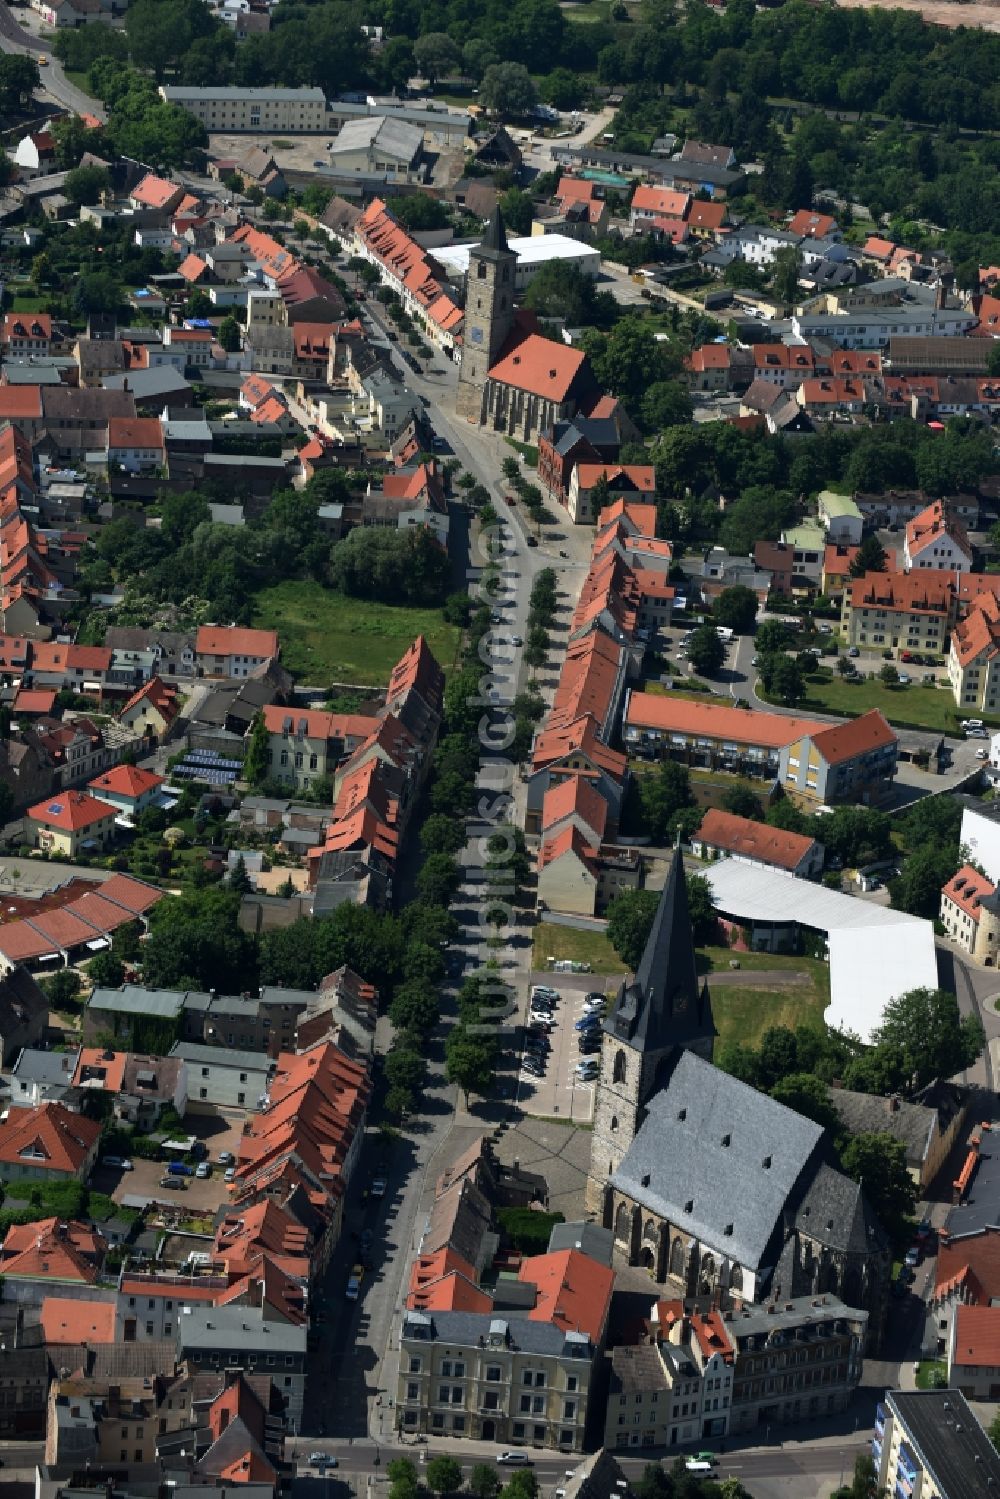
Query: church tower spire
664	1010
489	314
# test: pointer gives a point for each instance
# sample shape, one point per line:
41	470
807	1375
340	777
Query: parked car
202	1170
906	656
173	1183
904	679
587	1023
543	991
854	652
514	1459
353	1290
226	1158
117	1162
378	1186
322	1460
180	1168
912	1257
972	723
230	1175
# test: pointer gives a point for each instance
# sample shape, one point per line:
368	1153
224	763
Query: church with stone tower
720	1192
511	378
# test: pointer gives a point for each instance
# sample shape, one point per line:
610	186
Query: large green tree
630	921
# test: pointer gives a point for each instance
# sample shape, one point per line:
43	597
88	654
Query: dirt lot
942	12
206	1195
297	156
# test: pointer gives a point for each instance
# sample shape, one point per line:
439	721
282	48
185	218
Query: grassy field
927	707
328	638
930	1374
744	1015
553	941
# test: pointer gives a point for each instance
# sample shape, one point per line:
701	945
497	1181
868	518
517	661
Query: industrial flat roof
876	953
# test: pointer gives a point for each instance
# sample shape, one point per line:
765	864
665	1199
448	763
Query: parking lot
559	1093
218	1132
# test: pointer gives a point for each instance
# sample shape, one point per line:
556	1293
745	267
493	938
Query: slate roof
467	1328
835	1211
718	1159
667	1004
866	1113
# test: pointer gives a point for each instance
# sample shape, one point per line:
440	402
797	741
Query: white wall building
219	1077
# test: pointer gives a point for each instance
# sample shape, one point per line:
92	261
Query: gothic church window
618	1075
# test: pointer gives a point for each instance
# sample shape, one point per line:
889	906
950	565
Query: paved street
55	86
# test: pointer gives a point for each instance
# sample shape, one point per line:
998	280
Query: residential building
129	788
850	762
519	1372
724	835
291	111
594	485
970	914
24	1010
51	1255
47	1143
796	1360
936	541
974	657
72	824
223	1078
928	1126
234	652
25	336
239	1337
929	1444
136	444
675	1388
836	575
808	543
134	1010
841	517
581	877
741	740
41	1077
899	611
307	743
974	1352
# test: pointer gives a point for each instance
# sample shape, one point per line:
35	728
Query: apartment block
295	111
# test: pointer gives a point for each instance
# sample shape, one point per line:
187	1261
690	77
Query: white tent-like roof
876	953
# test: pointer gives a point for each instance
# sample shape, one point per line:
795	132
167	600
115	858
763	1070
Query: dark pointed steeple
666	1005
494	241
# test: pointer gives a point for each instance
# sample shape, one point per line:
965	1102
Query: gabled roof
158	695
575	796
569	841
755	840
977	1337
846	741
154	192
234	640
541	367
574	1291
66	1320
49	1138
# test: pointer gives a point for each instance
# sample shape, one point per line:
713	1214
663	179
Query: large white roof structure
876	953
532	251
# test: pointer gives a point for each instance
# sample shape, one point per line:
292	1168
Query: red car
906	656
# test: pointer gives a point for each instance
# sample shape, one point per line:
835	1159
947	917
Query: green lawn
326	637
553	941
744	1015
924	707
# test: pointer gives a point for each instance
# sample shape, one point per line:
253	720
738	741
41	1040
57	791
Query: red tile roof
967	889
679	715
233	640
930	526
34	700
661	201
755	840
575	796
569	840
574	1291
908	593
619	476
578	738
541	367
65	1320
154	192
36	325
837	560
49	1137
975	1255
977	1337
158	695
135	432
845	741
70	811
126	780
706	215
811	225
